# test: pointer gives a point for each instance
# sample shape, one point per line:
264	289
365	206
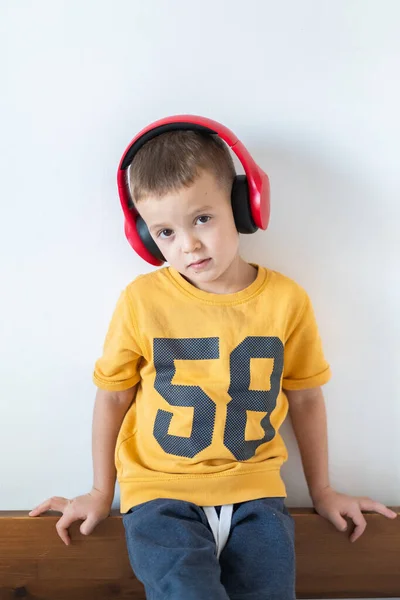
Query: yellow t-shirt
211	370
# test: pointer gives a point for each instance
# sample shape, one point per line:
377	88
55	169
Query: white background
312	89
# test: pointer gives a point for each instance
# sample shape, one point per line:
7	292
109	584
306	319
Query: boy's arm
109	411
308	416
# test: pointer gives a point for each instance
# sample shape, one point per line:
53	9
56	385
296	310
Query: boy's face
195	224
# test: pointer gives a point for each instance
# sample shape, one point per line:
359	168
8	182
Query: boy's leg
258	561
172	551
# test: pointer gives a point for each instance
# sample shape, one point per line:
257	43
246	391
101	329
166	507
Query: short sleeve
304	362
118	367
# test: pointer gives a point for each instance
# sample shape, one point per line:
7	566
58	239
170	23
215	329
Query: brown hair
174	159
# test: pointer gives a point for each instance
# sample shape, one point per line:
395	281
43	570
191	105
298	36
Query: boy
201	363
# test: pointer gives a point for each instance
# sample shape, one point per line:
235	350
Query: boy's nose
190	243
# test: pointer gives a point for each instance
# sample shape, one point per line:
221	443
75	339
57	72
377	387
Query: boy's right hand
90	508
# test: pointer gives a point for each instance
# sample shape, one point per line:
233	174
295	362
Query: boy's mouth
199	264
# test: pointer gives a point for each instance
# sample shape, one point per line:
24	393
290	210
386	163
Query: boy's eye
165	233
203	218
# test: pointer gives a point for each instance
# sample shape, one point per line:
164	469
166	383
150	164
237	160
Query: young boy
201	363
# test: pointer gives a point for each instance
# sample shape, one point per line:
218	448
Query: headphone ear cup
241	205
147	240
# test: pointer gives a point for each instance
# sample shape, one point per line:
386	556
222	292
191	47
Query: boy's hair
174	159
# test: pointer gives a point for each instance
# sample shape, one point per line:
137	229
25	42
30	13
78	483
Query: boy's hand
334	506
91	508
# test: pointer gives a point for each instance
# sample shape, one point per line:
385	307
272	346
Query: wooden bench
35	564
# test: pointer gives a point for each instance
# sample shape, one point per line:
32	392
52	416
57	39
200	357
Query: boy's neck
239	275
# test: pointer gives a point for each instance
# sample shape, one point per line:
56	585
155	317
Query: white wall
312	88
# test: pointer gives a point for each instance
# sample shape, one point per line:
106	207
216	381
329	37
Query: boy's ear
241	205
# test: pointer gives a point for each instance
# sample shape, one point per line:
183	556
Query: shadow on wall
336	234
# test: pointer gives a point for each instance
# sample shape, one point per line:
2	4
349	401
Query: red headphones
250	193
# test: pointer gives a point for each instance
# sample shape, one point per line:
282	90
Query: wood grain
35	564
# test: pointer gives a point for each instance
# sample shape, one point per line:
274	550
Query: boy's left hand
334	506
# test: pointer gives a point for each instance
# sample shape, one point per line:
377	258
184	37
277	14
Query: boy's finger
88	525
371	505
56	503
360	523
62	528
338	521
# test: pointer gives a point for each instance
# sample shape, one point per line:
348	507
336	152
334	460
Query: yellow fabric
211	371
